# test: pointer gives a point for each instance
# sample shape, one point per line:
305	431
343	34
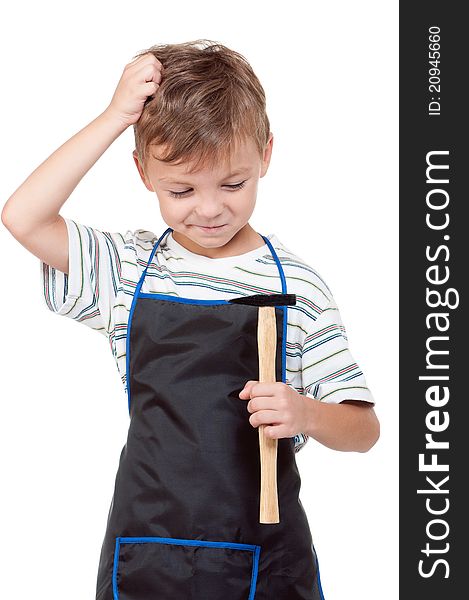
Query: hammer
267	346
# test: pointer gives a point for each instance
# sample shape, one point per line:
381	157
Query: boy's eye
234	186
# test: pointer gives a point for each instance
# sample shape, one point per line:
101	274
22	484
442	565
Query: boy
184	520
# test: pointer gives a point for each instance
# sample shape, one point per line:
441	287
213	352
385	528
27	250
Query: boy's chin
210	240
204	238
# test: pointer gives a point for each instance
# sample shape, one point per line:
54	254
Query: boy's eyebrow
237	172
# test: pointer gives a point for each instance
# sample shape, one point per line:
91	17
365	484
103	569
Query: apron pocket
148	568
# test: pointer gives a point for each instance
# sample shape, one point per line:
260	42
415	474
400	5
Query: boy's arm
338	407
351	425
31	214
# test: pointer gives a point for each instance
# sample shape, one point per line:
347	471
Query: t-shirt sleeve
329	371
87	293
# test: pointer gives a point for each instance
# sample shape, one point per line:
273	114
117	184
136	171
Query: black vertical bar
434	344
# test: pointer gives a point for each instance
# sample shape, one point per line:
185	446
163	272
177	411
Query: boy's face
223	197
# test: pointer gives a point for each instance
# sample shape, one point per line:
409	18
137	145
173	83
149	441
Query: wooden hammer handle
267	346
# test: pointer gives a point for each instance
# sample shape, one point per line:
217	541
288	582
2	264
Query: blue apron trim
181	299
197	301
284	308
319	577
129	323
255	549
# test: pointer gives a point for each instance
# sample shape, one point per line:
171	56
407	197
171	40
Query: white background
329	71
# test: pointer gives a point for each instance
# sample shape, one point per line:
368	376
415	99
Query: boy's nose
209	209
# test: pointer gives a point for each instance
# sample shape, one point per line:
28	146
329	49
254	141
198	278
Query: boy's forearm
39	198
343	426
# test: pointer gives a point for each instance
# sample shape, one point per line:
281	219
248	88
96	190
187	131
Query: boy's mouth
204	228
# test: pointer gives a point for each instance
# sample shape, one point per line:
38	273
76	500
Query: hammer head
266	300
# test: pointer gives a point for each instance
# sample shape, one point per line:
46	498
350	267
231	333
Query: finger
276	431
149	73
137	61
265	389
265	417
262	403
150	88
147	57
245	393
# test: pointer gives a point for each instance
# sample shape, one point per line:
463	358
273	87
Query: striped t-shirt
104	269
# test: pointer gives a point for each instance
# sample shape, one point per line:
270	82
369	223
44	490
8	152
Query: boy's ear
144	178
267	155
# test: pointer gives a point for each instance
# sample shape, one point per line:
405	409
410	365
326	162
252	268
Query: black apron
184	518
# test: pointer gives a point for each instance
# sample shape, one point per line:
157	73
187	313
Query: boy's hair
209	99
